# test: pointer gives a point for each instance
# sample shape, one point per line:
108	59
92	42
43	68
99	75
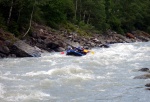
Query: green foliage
70	26
86	27
119	15
148	29
2	23
13	27
56	12
82	33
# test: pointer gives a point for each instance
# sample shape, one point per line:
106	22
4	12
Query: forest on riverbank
121	16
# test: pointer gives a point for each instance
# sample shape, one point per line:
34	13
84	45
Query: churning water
105	76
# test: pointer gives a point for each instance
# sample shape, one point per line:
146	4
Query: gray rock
60	49
2	55
12	56
147	88
145	76
21	49
144	69
4	49
147	85
73	44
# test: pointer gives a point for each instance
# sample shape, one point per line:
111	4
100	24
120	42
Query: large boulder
21	49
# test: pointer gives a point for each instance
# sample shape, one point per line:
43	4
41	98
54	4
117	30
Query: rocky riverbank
44	39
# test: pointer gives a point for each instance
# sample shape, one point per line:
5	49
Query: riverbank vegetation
122	16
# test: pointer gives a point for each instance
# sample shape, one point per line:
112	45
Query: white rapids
103	76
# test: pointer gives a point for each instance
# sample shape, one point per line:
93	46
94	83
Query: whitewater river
105	76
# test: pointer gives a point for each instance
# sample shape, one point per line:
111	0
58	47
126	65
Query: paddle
92	52
86	51
62	52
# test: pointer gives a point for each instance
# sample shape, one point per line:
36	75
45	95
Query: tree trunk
19	15
88	20
76	10
10	12
84	14
80	10
30	20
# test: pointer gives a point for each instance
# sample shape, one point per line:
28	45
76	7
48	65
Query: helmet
80	47
69	47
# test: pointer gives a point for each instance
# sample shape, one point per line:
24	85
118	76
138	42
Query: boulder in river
147	85
145	76
21	49
144	69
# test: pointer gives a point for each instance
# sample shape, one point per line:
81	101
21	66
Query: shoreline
44	39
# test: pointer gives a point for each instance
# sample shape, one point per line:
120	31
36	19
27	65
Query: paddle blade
86	51
92	52
62	52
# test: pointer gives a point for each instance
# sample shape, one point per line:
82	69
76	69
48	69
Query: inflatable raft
74	53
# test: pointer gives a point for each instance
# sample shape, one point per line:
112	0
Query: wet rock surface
144	69
21	49
47	39
146	75
11	46
147	85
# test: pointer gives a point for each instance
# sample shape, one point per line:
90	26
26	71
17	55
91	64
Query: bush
13	28
148	29
2	23
71	27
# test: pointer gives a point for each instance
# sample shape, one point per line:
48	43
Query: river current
107	75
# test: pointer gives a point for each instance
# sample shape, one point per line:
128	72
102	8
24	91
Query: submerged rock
147	85
147	88
144	69
145	76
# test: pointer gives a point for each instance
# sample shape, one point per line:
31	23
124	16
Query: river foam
103	76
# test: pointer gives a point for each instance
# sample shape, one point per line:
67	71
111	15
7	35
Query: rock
145	76
144	39
21	49
147	88
60	49
145	34
52	45
147	85
104	45
3	48
95	40
91	44
141	33
144	69
73	44
131	36
43	37
12	56
123	38
2	55
142	36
